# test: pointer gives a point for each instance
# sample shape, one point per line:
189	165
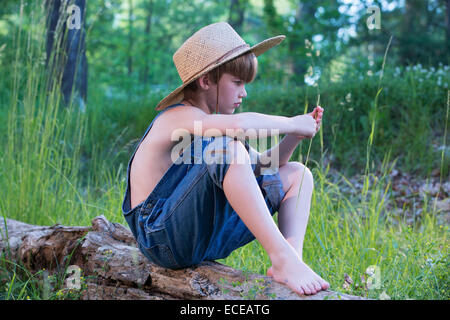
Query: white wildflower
307	44
348	97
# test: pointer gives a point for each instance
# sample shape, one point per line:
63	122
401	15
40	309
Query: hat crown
204	48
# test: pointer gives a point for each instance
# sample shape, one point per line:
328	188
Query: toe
312	288
325	285
306	289
317	286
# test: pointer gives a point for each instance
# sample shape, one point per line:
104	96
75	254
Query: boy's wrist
295	137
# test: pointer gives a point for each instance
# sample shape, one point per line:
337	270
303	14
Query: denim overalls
187	219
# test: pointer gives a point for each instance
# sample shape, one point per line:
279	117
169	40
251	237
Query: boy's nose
243	93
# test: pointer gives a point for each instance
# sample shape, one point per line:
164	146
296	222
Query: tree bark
66	50
116	269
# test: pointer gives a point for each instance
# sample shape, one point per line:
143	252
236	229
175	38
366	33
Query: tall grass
42	152
348	236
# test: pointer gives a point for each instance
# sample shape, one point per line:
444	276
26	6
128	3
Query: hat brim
177	95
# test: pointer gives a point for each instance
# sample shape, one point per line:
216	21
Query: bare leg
293	213
294	210
243	193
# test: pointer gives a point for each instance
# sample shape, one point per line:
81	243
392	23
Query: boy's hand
317	114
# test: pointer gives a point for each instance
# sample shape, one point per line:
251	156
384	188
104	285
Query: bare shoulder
189	118
175	119
184	114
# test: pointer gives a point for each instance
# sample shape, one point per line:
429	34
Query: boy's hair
244	67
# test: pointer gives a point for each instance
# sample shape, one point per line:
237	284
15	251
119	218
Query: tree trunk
115	268
236	16
447	24
304	13
412	27
273	20
66	49
147	54
130	37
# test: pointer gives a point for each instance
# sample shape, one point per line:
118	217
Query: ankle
280	257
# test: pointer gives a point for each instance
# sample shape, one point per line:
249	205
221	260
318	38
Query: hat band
218	60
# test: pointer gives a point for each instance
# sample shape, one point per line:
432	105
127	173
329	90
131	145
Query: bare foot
297	275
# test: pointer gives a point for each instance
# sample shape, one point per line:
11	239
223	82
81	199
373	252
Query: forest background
72	115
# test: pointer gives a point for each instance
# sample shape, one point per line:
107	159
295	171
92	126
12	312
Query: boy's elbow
237	124
242	127
232	126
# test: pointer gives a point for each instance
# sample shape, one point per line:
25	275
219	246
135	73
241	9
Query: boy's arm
250	124
285	148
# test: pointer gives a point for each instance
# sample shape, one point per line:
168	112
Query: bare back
152	158
151	161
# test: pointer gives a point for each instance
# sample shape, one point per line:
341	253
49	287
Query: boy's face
231	93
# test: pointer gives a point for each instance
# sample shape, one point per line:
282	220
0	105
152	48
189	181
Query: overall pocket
155	248
273	190
149	213
161	255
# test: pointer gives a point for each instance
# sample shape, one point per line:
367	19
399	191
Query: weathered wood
114	268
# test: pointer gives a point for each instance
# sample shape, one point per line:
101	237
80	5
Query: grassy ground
58	165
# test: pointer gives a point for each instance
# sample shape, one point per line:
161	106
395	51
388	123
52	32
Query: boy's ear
204	82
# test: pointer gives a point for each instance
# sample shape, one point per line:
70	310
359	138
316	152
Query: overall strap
150	126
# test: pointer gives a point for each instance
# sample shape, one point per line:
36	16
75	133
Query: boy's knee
237	152
222	152
225	149
302	171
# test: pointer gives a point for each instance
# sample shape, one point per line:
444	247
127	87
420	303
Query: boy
188	212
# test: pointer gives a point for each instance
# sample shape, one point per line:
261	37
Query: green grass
58	165
347	236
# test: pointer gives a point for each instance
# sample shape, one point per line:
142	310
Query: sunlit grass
347	236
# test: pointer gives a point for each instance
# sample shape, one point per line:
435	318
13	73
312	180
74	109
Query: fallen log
114	268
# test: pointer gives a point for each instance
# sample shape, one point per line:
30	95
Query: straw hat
208	48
